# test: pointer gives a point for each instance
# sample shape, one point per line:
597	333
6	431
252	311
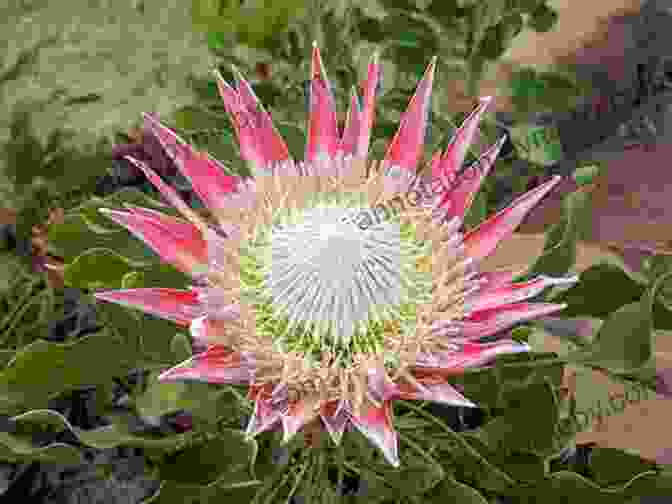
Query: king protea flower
326	321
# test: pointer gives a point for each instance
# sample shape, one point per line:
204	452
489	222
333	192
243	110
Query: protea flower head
327	320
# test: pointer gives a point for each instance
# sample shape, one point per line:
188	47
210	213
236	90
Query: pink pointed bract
290	387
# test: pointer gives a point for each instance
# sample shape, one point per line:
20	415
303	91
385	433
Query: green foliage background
91	74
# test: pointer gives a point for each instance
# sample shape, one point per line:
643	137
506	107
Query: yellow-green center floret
318	282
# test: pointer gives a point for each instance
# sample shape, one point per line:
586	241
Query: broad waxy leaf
207	461
543	18
18	447
147	337
181	346
521	466
585	174
566	486
206	403
603	289
416	476
450	490
459	454
18	450
559	253
611	466
42	369
85	228
600	291
514	432
487	385
103	268
160	398
624	342
174	493
97	268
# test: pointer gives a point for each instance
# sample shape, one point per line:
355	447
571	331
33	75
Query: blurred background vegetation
74	79
84	78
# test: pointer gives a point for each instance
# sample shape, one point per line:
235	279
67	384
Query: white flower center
328	274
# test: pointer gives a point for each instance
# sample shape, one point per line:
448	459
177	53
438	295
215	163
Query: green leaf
538	144
160	398
509	27
462	456
521	334
97	268
407	39
149	336
611	466
543	18
17	446
585	174
463	4
370	29
450	490
565	486
42	369
492	46
513	431
410	42
18	449
207	403
132	280
400	4
623	343
101	268
202	10
74	236
600	291
109	436
525	467
525	83
415	476
11	270
559	253
204	462
194	117
446	11
219	40
181	346
658	265
650	485
525	5
484	16
486	385
85	227
172	493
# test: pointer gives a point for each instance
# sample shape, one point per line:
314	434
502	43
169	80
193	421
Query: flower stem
459	440
419	450
297	481
340	457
